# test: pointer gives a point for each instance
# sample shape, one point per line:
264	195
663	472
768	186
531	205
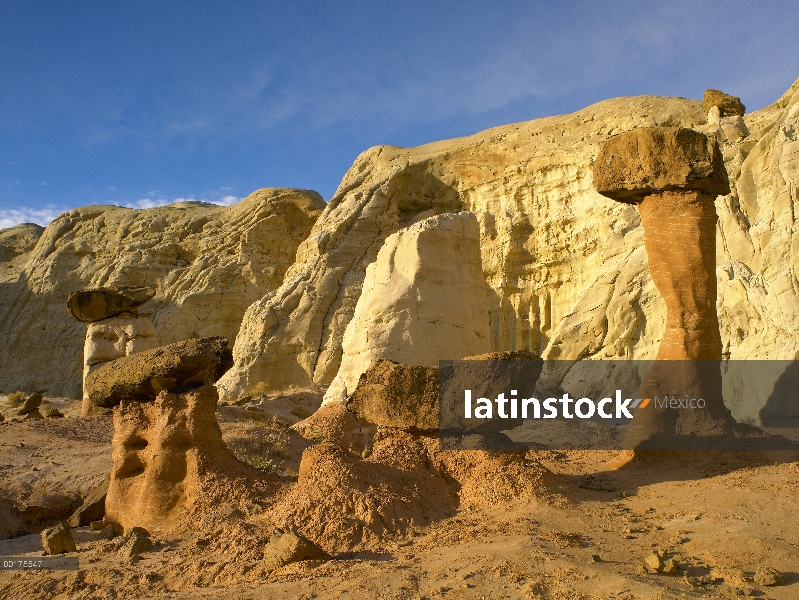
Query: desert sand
721	516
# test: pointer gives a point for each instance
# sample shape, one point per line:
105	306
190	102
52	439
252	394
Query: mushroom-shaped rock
658	159
728	105
88	306
176	367
673	175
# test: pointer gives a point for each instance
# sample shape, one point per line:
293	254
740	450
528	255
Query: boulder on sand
58	539
93	507
32	403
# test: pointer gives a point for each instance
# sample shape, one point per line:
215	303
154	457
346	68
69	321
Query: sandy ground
720	515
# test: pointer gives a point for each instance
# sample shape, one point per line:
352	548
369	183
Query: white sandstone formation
114	338
207	263
423	300
545	234
566	268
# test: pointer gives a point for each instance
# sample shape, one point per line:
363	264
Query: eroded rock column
171	466
115	329
166	455
673	176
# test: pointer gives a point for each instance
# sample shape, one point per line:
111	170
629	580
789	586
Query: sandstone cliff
565	268
208	264
16	244
758	239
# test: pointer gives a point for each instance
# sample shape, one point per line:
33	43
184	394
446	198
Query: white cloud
145	203
150	203
43	216
14	216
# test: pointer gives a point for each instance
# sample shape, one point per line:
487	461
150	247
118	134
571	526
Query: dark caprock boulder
89	306
728	105
653	160
173	368
397	395
33	402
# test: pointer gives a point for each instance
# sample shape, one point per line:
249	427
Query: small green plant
16	399
261	463
260	444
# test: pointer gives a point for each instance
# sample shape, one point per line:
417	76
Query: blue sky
142	103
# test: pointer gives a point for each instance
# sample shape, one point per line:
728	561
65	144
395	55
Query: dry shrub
16	399
259	444
260	389
50	411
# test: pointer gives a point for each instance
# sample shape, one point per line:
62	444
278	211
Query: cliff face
16	244
758	236
565	268
208	264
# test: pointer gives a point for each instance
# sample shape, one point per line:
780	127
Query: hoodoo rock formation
673	175
396	395
115	328
206	263
170	463
169	458
114	338
423	300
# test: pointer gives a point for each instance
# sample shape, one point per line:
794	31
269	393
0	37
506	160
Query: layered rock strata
423	300
207	264
566	269
16	244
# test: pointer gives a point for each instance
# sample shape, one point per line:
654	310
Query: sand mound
336	424
491	477
344	503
